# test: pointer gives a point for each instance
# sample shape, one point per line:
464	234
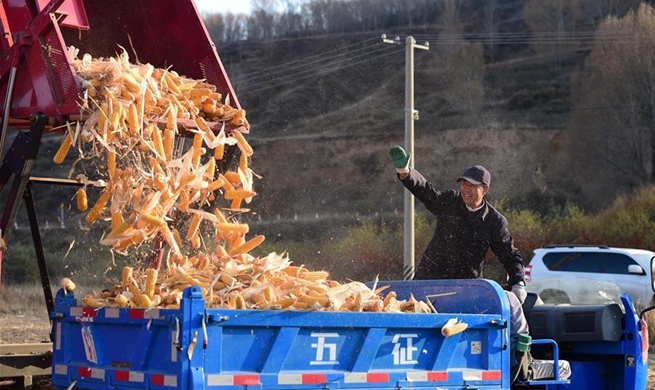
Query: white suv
631	269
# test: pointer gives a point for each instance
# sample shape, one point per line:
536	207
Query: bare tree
262	22
614	121
234	27
552	20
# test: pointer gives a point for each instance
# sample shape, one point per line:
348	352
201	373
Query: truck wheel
554	296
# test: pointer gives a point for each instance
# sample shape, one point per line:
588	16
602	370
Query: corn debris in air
134	115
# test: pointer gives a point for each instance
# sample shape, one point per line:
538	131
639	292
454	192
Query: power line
317	69
318	57
334	69
284	68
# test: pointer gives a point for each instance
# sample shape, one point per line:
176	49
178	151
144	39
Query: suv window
609	263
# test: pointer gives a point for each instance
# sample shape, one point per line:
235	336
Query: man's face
472	194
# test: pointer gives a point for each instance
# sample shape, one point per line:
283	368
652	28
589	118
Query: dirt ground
28	326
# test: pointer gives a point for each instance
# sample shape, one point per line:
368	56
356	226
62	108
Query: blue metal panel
261	349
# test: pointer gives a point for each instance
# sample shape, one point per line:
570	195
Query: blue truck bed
200	348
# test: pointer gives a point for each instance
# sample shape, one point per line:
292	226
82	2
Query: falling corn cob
63	149
97	209
82	201
232	227
242	143
239	194
248	245
194	226
67	284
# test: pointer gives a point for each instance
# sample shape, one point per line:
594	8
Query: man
467	227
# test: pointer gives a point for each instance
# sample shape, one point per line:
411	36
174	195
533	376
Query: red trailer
40	91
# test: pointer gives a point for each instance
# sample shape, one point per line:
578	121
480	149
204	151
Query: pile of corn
156	189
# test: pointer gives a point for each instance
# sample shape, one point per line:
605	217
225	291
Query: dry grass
24	313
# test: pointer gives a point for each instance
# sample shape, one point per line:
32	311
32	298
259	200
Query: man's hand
399	157
519	290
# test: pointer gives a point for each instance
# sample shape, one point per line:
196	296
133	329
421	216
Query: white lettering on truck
403	349
322	347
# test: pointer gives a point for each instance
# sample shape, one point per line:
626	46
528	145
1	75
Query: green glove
399	157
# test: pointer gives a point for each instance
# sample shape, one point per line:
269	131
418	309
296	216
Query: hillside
325	108
321	142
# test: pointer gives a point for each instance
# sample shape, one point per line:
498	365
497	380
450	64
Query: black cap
476	174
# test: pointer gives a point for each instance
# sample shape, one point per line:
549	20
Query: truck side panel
265	349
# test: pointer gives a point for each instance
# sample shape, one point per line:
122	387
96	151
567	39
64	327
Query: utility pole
411	115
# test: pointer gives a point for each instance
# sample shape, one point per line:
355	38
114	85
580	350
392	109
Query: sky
223	6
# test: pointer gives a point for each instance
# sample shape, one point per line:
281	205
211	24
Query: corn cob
227	279
63	149
133	120
292	270
240	303
121	228
389	298
126	276
97	209
131	84
202	125
198	150
284	303
314	275
128	242
116	219
115	117
232	227
199	92
233	177
137	296
103	118
219	215
176	237
243	162
153	219
323	301
168	142
171	83
236	204
239	194
121	300
111	163
216	184
90	301
188	278
195	241
219	151
82	201
194	225
242	143
210	169
221	252
67	284
127	95
151	280
158	142
248	245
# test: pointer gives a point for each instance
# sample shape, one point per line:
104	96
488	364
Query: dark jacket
462	237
